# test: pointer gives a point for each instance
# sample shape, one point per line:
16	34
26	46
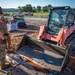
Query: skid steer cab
60	28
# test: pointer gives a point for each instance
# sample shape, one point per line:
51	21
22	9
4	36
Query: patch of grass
37	14
41	14
10	13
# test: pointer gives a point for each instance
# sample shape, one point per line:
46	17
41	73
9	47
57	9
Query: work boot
5	66
11	50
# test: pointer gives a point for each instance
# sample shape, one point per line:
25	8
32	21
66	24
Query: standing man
2	46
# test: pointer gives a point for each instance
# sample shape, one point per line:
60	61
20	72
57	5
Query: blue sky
16	3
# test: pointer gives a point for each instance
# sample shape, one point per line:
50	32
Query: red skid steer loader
60	28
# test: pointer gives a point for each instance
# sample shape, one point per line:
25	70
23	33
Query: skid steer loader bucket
44	58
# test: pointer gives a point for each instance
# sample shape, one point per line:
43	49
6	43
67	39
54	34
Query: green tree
74	9
20	9
24	8
48	7
38	8
28	8
33	9
44	9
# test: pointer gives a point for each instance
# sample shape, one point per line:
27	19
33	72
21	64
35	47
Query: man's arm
1	36
3	40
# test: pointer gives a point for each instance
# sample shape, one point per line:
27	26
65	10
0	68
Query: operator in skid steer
2	45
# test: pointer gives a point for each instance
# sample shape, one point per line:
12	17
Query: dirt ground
33	26
31	30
